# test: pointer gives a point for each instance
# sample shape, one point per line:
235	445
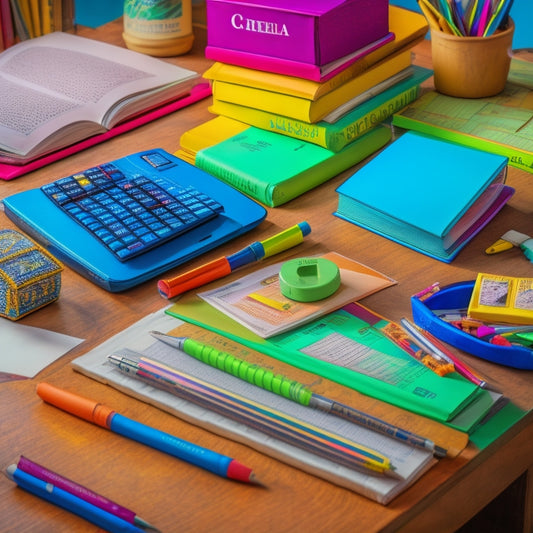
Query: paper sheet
26	350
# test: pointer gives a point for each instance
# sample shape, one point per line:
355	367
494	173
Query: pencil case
30	277
457	296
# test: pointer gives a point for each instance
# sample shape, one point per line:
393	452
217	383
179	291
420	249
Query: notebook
33	212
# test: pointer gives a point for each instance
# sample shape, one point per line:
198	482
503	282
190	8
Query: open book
59	89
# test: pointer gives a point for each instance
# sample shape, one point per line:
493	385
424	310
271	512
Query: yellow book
408	27
46	16
35	16
305	109
25	12
502	299
207	134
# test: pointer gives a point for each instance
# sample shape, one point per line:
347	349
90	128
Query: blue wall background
93	13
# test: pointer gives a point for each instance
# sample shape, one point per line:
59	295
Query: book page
57	80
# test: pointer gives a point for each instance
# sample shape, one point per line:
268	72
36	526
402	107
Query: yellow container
158	27
471	67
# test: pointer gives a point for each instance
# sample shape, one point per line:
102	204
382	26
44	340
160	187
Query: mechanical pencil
432	344
424	343
258	416
292	390
42	473
49	492
168	288
461	367
486	330
106	417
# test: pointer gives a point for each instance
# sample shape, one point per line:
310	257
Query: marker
219	268
291	389
63	483
105	416
485	331
49	492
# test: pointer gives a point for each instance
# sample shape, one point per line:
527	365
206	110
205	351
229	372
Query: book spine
282	104
260	62
517	158
321	133
303	109
8	32
246	184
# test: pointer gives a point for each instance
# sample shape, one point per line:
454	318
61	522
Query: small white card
26	350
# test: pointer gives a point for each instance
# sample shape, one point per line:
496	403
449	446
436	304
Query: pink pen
81	492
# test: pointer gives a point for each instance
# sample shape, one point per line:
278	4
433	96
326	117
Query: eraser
308	279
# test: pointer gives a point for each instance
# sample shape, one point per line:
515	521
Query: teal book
333	135
430	195
347	347
273	168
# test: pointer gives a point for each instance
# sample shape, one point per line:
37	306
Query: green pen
291	389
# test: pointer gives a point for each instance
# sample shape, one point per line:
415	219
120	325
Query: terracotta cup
471	67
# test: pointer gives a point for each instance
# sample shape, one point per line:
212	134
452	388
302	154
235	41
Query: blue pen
105	416
64	499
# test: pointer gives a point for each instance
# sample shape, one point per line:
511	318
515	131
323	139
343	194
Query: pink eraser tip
483	331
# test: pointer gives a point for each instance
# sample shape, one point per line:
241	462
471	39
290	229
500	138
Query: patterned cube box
29	276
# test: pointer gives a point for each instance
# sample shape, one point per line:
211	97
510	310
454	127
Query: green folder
404	381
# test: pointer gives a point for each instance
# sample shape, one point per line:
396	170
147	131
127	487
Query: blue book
430	195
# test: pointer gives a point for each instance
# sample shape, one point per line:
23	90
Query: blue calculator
125	221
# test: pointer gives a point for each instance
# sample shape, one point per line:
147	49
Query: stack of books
291	116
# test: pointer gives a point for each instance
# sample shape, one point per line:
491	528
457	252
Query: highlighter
225	265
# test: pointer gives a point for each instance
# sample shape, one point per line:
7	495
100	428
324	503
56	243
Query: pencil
258	416
292	390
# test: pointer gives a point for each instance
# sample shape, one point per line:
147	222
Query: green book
384	372
273	168
333	135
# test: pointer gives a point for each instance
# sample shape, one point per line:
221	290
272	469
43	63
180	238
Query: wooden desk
175	496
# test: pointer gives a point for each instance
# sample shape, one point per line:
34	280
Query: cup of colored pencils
471	45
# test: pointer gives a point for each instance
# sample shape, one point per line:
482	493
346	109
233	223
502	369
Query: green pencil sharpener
308	279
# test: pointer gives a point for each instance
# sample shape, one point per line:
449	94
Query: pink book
198	92
315	32
293	68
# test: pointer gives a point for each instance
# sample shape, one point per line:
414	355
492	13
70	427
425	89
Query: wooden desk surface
175	496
